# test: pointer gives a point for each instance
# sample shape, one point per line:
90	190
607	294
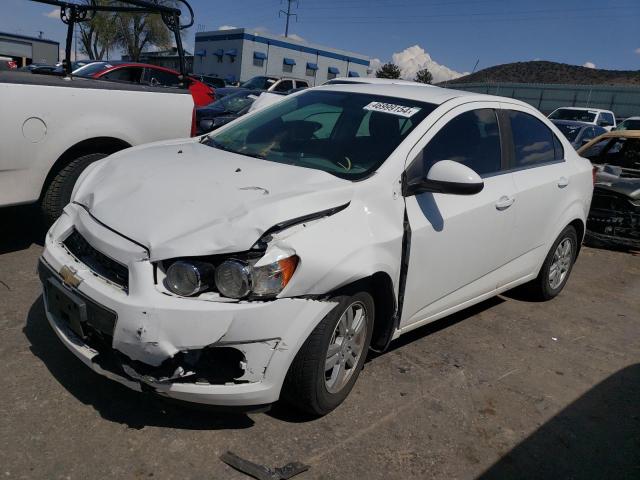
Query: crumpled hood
188	199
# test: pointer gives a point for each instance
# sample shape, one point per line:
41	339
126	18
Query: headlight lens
187	278
233	279
237	279
270	280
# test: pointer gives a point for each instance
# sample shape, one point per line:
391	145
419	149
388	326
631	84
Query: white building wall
243	68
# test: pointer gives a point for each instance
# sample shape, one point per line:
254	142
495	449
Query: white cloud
589	65
374	64
637	50
55	13
415	58
226	27
295	36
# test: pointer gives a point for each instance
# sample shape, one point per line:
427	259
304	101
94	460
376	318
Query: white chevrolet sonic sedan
263	261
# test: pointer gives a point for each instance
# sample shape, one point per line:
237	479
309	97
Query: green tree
137	31
423	76
98	35
388	70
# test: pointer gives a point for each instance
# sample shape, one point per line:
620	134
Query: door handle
563	182
504	202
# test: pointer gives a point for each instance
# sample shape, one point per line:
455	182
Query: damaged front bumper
203	351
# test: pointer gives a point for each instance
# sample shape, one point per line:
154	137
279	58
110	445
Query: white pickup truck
52	128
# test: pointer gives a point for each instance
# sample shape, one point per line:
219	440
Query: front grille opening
99	263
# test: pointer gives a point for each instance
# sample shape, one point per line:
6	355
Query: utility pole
288	14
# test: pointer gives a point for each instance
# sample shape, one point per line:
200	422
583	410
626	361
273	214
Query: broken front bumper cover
164	343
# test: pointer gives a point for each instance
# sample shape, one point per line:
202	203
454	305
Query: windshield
630	125
259	83
575	115
91	69
569	131
235	102
346	134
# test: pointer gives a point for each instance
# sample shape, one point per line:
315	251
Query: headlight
187	278
233	279
237	279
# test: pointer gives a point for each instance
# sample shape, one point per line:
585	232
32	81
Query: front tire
58	192
557	266
328	364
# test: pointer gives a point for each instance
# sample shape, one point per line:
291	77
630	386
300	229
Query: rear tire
556	268
319	380
58	192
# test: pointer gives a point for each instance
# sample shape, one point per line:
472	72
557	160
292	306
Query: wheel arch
381	288
107	145
579	225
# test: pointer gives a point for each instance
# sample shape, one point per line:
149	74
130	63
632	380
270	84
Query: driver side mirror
446	176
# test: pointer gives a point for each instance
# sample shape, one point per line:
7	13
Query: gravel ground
506	389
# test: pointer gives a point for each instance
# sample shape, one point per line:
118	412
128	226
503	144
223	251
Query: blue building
238	55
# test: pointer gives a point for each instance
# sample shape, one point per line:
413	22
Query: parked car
374	81
267	84
38	68
52	128
7	63
614	219
578	133
595	116
263	260
224	110
213	82
146	74
631	123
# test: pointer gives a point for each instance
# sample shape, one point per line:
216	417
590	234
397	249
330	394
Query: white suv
264	260
595	116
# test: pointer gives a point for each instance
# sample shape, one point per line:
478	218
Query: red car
146	74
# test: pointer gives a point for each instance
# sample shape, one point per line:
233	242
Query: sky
447	36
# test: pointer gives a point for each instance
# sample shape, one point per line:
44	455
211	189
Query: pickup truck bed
52	127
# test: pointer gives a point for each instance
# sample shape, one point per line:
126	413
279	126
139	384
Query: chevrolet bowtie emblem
69	277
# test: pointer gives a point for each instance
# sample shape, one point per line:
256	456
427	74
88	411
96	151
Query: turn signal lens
270	280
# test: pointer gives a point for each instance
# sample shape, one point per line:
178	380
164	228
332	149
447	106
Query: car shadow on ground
21	227
595	437
113	401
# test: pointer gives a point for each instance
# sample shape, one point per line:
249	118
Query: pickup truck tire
57	193
560	259
311	385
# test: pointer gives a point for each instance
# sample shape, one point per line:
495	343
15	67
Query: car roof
584	109
632	118
414	91
374	81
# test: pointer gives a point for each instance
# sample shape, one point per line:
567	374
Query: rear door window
125	74
161	78
534	143
606	119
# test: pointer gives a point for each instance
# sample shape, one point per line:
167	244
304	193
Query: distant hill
551	72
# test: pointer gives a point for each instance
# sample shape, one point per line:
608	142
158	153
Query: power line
288	14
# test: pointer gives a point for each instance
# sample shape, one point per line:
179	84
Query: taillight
12	65
594	172
194	129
